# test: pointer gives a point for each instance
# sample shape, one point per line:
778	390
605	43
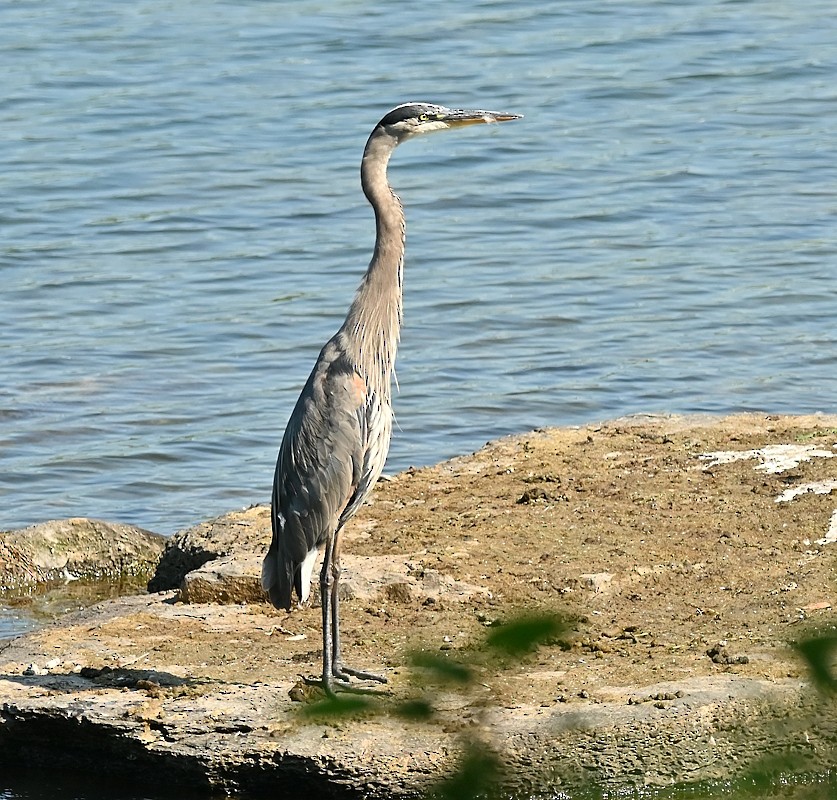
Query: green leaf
818	652
476	776
338	707
525	633
441	669
417	710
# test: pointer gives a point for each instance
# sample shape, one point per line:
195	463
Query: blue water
14	622
181	227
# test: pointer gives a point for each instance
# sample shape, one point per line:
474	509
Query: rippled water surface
181	228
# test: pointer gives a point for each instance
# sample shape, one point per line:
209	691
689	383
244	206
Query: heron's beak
458	118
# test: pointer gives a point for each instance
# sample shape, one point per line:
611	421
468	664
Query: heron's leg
326	580
339	669
335	609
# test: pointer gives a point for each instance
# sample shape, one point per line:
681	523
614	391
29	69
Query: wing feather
332	453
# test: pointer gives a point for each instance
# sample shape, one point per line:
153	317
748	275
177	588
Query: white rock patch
777	458
818	487
774	458
831	536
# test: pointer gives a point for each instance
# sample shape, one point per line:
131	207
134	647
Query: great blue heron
338	435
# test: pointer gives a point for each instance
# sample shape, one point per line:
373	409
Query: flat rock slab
237	579
684	576
100	701
237	534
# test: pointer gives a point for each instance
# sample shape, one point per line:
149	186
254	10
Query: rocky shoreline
687	557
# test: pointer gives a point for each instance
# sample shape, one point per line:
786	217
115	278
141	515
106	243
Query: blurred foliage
340	707
819	652
478	773
432	668
418	709
526	633
792	772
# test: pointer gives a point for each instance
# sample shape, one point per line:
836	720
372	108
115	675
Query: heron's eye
424	118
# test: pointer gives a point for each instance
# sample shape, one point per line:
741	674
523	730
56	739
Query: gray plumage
337	438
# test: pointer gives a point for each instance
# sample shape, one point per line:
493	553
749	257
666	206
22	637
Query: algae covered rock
76	548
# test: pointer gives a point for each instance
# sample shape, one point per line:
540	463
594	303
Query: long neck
373	324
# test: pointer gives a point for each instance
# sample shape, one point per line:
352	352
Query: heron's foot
344	673
323	684
331	687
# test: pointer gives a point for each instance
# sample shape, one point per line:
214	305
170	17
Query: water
181	228
15	622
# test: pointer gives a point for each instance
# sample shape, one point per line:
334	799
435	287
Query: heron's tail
277	572
282	572
276	578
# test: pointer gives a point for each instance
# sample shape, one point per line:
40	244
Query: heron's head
411	119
